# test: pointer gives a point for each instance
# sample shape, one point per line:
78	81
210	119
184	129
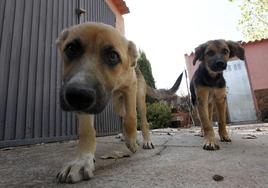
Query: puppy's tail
164	93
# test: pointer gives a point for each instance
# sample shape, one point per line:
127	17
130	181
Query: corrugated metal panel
30	70
108	123
97	11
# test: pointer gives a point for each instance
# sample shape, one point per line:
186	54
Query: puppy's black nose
221	64
79	96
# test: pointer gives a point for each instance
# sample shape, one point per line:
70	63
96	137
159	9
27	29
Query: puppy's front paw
147	144
225	138
132	145
210	144
78	170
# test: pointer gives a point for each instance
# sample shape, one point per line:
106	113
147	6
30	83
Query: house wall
257	64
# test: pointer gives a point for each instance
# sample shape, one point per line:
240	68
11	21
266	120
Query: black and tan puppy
99	64
208	86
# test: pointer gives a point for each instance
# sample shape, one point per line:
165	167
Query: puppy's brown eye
225	51
210	53
74	49
111	57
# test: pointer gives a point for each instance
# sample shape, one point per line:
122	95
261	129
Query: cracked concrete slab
178	160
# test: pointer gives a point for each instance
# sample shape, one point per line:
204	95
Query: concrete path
178	160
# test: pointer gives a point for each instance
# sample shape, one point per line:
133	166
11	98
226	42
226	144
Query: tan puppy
99	63
208	86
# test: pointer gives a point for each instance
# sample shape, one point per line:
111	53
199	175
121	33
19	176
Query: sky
167	29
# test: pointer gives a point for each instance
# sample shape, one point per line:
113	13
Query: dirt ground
178	160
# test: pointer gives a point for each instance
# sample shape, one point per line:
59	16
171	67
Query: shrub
158	115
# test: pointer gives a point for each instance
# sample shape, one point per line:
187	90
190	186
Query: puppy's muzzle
219	65
77	97
80	97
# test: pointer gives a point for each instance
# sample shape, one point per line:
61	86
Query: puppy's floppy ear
62	37
199	53
133	53
236	50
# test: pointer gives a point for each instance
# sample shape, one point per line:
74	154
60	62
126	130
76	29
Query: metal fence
30	70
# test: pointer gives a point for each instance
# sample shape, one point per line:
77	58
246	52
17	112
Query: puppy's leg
202	106
147	144
210	111
201	134
83	166
130	118
221	106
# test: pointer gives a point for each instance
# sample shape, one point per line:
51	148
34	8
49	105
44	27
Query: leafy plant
158	115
